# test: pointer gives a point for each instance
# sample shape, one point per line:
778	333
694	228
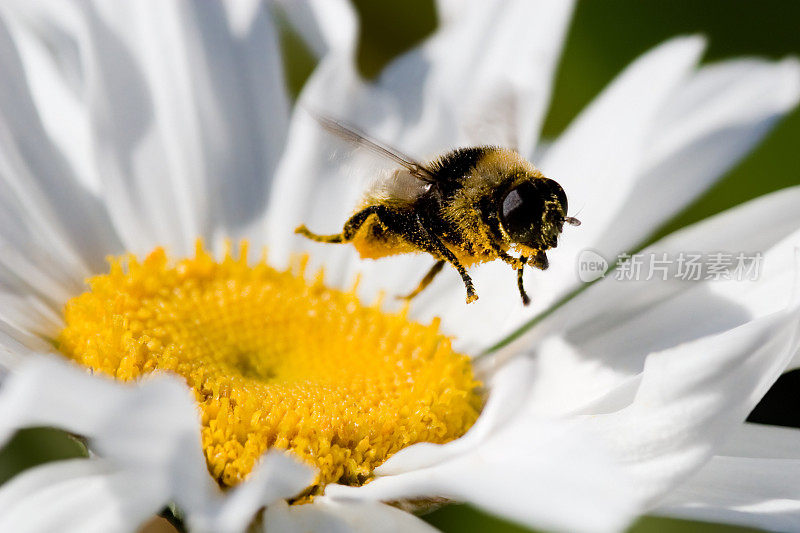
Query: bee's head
534	212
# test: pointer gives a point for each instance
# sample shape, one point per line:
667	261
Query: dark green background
605	35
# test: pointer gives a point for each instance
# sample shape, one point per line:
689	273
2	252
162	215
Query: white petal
759	225
263	113
705	127
473	84
37	270
763	441
331	516
187	135
276	477
27	313
309	188
57	25
79	495
38	186
152	427
761	493
692	396
327	26
752	482
47	36
16	345
554	477
597	158
31	257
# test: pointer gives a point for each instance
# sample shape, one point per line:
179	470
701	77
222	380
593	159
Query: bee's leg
432	244
525	299
435	269
305	232
516	262
539	260
350	229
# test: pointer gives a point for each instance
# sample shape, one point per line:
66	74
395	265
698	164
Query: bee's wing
350	134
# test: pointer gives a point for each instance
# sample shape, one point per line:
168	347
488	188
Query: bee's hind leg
305	232
350	229
435	269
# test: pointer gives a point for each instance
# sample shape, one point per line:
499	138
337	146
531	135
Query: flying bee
469	206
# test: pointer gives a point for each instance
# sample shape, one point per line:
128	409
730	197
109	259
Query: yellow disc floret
275	361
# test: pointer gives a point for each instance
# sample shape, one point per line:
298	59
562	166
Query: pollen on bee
275	361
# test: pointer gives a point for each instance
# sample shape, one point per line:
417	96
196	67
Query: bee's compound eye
521	213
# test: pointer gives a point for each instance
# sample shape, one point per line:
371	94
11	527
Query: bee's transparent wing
350	134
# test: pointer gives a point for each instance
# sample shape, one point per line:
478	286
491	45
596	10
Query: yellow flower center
275	361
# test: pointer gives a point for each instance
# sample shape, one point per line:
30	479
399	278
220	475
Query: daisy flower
245	391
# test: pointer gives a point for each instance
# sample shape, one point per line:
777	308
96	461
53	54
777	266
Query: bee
468	206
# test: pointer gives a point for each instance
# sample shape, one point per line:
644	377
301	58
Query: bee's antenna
572	221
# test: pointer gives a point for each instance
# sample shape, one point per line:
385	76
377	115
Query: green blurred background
605	35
